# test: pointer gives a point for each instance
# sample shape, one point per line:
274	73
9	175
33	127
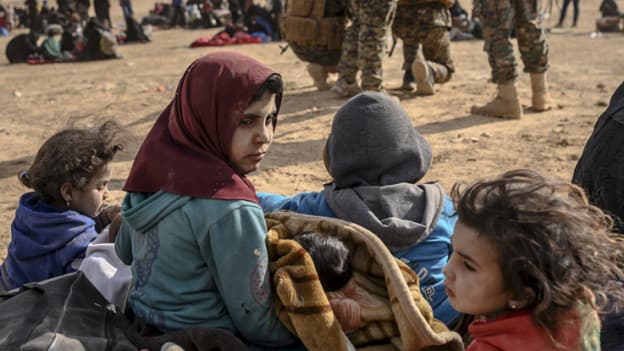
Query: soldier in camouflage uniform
322	52
426	23
497	17
364	46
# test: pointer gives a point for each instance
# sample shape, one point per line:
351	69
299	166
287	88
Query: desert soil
42	99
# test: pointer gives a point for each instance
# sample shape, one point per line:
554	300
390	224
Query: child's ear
522	301
66	191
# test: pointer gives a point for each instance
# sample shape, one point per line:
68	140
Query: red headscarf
186	151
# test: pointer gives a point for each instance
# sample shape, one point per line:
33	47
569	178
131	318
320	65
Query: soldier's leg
497	19
348	64
376	18
403	27
437	51
434	22
533	50
531	39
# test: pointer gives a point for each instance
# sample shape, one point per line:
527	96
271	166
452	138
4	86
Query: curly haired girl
529	256
54	224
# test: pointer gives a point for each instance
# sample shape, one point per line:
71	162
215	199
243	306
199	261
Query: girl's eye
469	267
270	118
246	121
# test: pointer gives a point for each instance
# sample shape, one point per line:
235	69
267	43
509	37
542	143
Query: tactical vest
303	23
406	3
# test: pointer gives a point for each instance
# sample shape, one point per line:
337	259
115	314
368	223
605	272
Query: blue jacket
427	258
45	240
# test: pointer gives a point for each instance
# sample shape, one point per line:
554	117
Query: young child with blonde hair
530	260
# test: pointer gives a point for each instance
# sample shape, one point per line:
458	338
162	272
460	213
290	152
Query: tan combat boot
540	99
505	105
427	73
319	75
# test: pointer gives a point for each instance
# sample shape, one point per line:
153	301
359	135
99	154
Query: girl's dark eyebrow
467	258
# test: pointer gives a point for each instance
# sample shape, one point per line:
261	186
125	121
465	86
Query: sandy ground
39	100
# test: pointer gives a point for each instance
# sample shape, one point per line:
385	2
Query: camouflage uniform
365	41
428	24
497	17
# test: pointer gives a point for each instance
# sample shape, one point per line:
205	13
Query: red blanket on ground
223	38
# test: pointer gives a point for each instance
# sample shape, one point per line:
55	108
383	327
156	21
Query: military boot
345	89
540	99
427	73
505	105
408	81
319	75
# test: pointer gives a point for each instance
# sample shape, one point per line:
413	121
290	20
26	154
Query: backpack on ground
304	24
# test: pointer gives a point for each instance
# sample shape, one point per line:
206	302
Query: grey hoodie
376	157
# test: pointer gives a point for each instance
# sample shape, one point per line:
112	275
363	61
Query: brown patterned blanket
393	315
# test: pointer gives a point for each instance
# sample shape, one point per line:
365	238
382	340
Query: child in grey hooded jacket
376	158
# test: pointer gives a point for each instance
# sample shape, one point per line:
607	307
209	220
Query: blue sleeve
241	272
123	245
447	220
75	250
312	203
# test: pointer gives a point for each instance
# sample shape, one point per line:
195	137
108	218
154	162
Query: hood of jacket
401	215
40	228
376	158
142	211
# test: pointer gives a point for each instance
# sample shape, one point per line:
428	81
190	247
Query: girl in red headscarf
192	227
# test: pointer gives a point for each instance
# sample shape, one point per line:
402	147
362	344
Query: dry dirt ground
38	100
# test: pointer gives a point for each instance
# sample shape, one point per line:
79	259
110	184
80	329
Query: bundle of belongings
231	35
380	308
134	33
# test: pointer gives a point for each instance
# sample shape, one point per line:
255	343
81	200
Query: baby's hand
106	216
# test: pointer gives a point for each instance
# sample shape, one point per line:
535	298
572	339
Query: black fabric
600	170
146	336
92	34
22	45
612	331
64	313
134	31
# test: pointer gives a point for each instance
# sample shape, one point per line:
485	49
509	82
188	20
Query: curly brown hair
71	156
553	245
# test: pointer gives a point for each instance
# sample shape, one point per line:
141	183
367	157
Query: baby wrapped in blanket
332	262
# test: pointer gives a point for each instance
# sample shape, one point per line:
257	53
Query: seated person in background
376	159
51	46
21	46
100	43
611	17
463	27
54	224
